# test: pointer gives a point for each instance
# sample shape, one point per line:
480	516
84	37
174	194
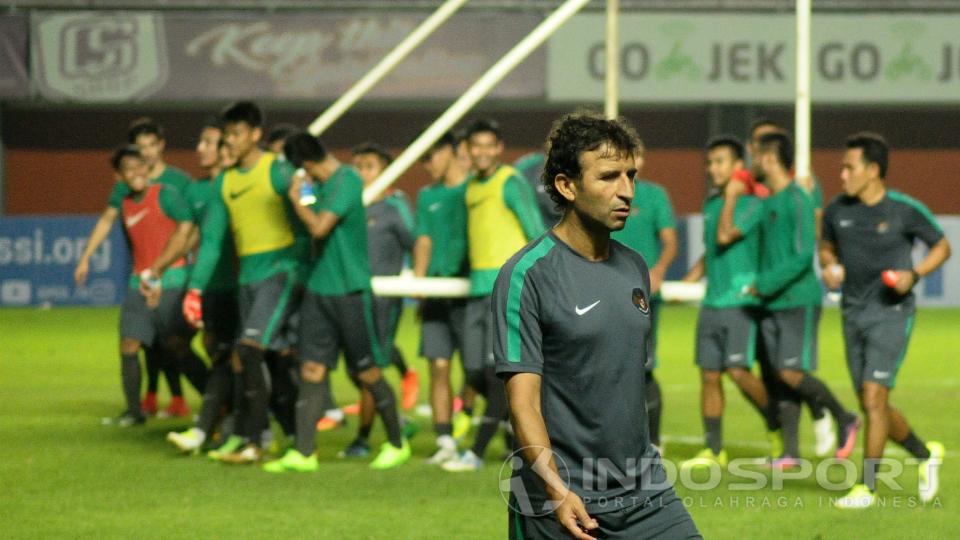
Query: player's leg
709	359
783	400
472	357
152	359
437	338
136	329
175	336
283	367
741	337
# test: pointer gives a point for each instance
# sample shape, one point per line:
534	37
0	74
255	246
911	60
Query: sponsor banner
38	256
14	74
750	58
110	57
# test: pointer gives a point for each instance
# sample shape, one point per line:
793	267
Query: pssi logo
103	57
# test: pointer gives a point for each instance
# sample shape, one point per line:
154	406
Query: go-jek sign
752	58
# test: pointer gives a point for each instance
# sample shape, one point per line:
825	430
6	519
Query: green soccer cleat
706	458
461	425
390	456
293	461
858	498
231	445
775	438
929	473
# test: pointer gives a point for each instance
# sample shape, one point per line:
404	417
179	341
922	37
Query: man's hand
296	183
192	308
833	276
81	272
656	279
573	516
740	183
905	281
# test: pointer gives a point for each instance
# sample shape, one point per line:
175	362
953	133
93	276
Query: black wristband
916	276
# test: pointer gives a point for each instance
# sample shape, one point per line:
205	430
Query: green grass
63	475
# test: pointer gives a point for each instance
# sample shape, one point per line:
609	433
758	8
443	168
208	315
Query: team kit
270	255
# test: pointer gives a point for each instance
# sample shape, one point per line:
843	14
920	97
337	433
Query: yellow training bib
258	217
493	230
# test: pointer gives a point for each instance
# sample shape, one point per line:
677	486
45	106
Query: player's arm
178	245
667	234
423	244
696	272
319	224
213	231
773	280
519	197
922	225
727	230
100	233
405	225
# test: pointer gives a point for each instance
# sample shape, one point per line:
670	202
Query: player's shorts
652	360
139	322
790	336
663	516
331	324
876	339
266	307
477	352
221	317
441	333
726	338
386	317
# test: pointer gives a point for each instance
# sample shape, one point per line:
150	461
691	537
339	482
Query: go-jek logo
108	57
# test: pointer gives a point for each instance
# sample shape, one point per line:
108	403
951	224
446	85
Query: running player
390	241
502	216
440	251
250	204
572	327
727	326
790	291
220	308
156	221
652	232
868	230
336	315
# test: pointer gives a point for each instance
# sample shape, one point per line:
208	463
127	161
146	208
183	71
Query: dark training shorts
331	324
139	322
441	333
266	307
726	338
790	336
876	340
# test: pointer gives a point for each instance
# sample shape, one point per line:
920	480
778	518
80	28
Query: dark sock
386	404
215	396
870	468
309	410
915	446
396	358
817	411
477	381
283	393
790	426
770	415
495	411
152	358
130	377
254	392
195	370
468	410
329	403
238	405
443	429
713	430
364	432
813	390
654	407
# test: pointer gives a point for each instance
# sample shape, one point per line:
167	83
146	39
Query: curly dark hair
576	133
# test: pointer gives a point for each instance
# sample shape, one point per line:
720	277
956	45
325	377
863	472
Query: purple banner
110	57
14	76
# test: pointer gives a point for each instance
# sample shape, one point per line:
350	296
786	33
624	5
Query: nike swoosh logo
134	219
235	194
586	309
881	374
846	222
434	207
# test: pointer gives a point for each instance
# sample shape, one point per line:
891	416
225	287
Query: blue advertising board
38	255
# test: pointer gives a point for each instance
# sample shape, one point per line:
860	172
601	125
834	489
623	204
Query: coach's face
603	194
856	174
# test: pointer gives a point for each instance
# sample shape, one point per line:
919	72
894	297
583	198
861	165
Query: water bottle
307	196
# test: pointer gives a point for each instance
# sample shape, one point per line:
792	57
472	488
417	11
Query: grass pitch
63	475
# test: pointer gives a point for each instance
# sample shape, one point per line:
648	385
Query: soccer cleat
250	453
177	408
465	462
706	458
326	424
353	409
461	425
293	461
409	390
824	435
929	473
784	462
848	438
188	441
148	405
858	498
231	445
359	448
775	438
126	419
390	456
443	455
